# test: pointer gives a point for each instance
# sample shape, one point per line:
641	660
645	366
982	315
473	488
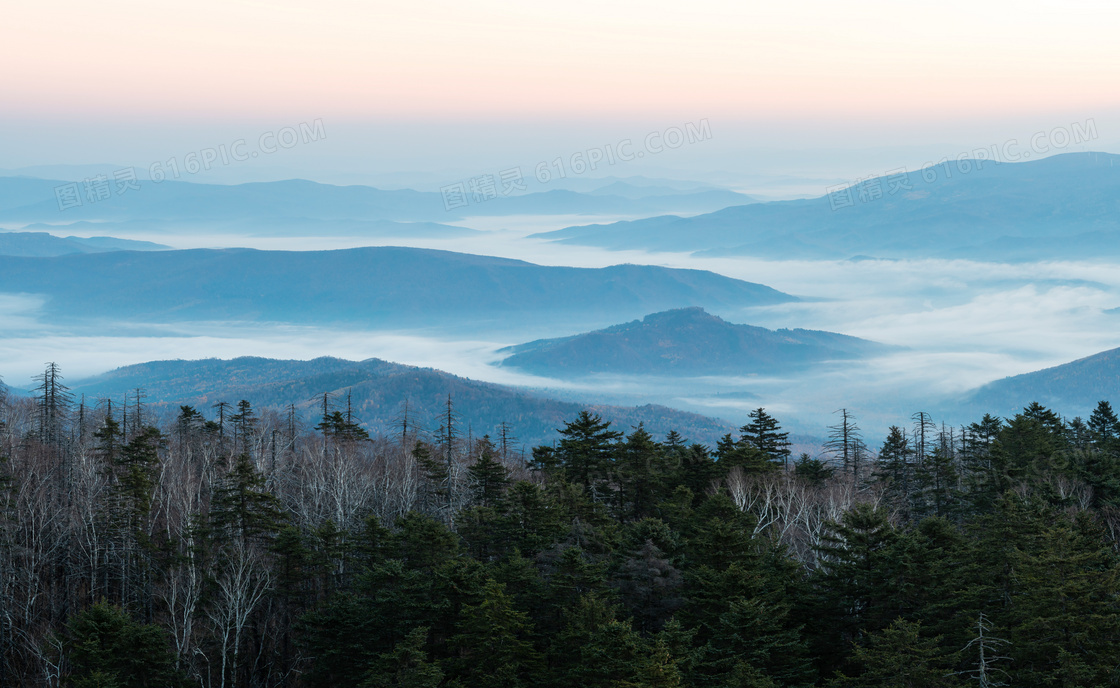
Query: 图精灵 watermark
877	186
102	187
487	187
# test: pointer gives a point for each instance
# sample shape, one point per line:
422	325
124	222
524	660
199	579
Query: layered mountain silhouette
1071	388
1065	206
171	205
45	245
382	286
686	341
377	391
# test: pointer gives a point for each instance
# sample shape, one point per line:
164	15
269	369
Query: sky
441	88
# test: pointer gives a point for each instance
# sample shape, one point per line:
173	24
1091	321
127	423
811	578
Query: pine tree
1064	623
54	400
1104	427
853	579
893	468
640	474
731	452
765	434
586	450
243	508
407	666
898	657
491	647
136	466
489	480
697	471
924	430
813	471
105	647
244	425
983	477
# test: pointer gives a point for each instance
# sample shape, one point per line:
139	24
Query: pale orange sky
449	85
440	59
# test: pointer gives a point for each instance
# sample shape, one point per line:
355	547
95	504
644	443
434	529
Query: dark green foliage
898	657
895	469
731	453
407	666
621	562
491	647
586	451
242	507
640	473
765	434
853	581
105	647
489	480
813	471
1104	427
135	466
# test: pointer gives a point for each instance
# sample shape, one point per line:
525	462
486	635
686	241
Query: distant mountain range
1072	388
1064	206
286	206
44	245
381	286
685	341
378	390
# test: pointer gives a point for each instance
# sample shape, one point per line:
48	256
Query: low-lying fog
962	324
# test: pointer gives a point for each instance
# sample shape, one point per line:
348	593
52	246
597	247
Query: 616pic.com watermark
485	187
102	187
871	188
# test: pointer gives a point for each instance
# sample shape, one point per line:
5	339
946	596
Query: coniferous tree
852	581
640	474
813	471
894	468
407	666
243	507
489	480
54	400
1104	427
924	430
105	647
586	450
731	453
899	657
765	434
491	647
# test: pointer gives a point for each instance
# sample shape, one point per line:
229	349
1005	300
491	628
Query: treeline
231	547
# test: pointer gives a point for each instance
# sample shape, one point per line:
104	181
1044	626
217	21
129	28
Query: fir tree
105	647
765	434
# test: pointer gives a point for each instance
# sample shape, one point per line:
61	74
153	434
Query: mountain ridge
377	390
1073	387
1043	205
685	341
384	285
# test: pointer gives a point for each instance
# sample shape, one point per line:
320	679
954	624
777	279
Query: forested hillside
1075	386
377	393
233	547
686	341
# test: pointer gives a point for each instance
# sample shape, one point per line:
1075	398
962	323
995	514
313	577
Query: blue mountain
685	342
1064	206
379	286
